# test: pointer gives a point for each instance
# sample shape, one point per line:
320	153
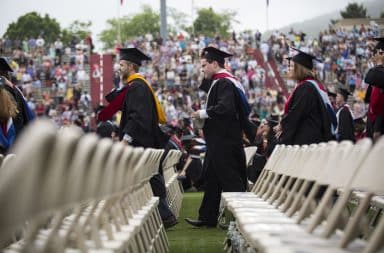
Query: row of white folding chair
298	182
288	165
5	160
279	163
47	135
173	187
342	176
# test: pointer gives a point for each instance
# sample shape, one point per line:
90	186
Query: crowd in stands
53	76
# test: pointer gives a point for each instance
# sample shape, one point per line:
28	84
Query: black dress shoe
199	223
170	222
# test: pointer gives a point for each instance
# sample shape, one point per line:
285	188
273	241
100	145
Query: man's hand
127	139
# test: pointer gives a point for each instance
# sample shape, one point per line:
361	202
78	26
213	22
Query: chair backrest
77	172
370	175
97	166
169	160
129	177
110	169
249	153
57	167
123	167
5	160
368	178
19	183
347	158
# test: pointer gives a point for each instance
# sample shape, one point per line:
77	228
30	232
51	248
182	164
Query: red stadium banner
101	76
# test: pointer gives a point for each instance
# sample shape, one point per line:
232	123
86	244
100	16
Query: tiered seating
285	212
68	192
174	188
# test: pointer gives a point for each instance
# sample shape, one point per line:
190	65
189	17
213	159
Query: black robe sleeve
345	125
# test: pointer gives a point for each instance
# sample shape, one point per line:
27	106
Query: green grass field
183	238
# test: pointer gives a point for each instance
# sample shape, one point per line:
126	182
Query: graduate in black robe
345	128
308	115
141	115
375	95
225	120
24	114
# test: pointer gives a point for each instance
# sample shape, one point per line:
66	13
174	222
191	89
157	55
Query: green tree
382	14
177	20
210	23
354	10
33	25
142	23
77	28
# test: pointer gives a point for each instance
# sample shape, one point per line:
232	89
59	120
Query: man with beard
141	115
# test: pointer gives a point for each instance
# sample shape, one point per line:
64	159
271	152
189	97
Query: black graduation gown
224	161
139	120
379	124
307	120
345	125
139	117
375	78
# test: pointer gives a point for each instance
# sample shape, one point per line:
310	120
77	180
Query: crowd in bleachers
53	76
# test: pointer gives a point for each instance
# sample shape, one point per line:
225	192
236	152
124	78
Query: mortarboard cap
380	43
4	66
133	55
344	92
214	54
303	59
375	77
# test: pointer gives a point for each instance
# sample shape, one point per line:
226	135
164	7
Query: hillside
313	26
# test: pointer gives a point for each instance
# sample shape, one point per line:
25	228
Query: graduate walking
225	119
141	115
308	115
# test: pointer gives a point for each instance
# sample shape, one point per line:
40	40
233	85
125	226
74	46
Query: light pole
163	19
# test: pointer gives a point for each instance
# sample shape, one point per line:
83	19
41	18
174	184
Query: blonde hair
8	106
300	72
